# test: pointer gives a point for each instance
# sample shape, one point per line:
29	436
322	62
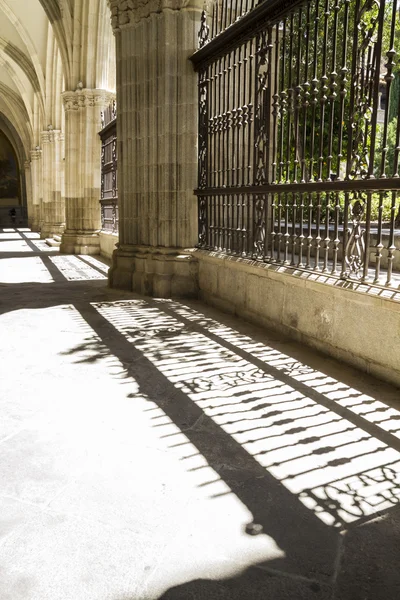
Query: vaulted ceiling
47	46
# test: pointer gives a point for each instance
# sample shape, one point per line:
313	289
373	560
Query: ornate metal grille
109	188
299	139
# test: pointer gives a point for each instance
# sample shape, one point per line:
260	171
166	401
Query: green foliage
390	145
304	141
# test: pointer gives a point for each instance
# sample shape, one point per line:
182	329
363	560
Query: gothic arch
8	130
85	39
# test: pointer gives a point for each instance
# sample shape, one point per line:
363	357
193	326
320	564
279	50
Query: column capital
83	98
27	164
36	154
51	135
126	13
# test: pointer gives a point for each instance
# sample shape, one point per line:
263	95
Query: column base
35	226
49	230
80	243
158	272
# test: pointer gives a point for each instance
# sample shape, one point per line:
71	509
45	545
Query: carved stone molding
125	13
86	98
36	154
50	136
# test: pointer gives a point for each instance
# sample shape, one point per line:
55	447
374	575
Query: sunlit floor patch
12	235
97	264
74	269
14	246
24	270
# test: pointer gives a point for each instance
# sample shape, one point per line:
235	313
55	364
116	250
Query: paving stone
369	567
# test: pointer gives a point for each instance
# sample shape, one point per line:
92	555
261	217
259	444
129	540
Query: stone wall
108	243
351	322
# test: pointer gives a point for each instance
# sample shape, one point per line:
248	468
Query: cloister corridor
160	449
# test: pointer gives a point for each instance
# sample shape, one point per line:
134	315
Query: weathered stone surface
157	156
82	169
369	560
52	184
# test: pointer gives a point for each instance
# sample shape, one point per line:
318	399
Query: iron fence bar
389	77
365	275
379	245
378	52
343	87
373	185
318	232
391	245
336	240
332	88
323	92
345	233
327	238
309	230
314	89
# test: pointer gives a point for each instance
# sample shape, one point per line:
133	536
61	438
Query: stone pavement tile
10	424
34	467
370	560
57	557
253	584
14	515
135	488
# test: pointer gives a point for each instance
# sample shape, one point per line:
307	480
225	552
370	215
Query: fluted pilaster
28	190
36	179
157	142
82	169
53	205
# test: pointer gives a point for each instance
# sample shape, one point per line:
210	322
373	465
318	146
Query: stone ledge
108	242
301	277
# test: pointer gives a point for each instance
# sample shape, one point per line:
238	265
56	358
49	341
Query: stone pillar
53	206
28	192
36	178
82	170
157	146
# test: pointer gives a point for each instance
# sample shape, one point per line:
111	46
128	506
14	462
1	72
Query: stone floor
155	449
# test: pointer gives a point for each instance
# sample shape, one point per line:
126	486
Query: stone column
157	146
82	170
36	178
28	192
53	202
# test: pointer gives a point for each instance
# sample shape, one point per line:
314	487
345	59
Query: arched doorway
11	200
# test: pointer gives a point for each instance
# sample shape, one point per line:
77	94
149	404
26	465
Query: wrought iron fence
299	136
109	186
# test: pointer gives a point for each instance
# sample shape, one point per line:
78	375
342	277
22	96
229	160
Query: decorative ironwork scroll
355	247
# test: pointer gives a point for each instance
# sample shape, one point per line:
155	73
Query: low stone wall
352	322
108	243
